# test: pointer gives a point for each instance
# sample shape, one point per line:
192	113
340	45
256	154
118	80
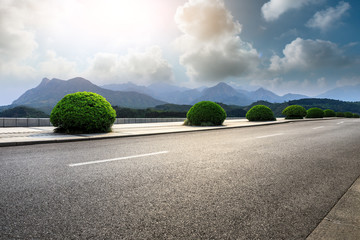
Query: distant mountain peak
262	90
79	80
49	92
44	82
222	84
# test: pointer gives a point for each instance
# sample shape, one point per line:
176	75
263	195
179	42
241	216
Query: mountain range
221	92
49	92
346	93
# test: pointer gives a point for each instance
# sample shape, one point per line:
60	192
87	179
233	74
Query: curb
268	123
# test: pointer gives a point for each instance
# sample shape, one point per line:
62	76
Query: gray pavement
342	222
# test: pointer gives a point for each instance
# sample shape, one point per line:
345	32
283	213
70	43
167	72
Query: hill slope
49	92
23	112
347	93
224	93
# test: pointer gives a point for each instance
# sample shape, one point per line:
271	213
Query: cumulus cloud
57	67
325	19
16	42
348	81
274	8
210	48
145	67
309	54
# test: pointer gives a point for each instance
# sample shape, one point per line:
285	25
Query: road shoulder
343	221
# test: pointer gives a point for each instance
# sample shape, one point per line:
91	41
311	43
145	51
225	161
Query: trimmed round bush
340	114
205	113
83	112
329	113
315	113
348	114
356	115
294	112
260	113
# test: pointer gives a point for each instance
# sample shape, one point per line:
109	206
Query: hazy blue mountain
127	87
49	92
347	93
162	91
165	87
265	95
224	93
291	96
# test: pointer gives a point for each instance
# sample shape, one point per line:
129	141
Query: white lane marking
318	127
117	159
273	135
340	122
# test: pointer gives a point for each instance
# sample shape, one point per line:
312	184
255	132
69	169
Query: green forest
179	111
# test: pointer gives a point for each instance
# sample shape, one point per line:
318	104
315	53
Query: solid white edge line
273	135
116	159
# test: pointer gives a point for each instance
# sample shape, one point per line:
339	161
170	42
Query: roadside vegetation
329	113
83	112
294	112
180	111
260	113
205	113
314	113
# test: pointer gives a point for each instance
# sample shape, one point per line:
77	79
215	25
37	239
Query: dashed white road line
116	159
318	127
340	122
272	135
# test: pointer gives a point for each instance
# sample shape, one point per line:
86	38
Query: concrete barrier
45	122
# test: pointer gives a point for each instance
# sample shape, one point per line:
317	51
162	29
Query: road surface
265	182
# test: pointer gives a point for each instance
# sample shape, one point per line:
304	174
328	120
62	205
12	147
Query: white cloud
57	67
144	67
210	48
321	82
274	8
325	19
16	42
348	81
309	54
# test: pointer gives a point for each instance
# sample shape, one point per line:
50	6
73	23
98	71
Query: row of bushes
209	113
298	112
86	112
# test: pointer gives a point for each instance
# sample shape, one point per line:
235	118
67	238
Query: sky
286	46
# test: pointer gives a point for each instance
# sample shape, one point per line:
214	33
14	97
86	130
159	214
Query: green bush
205	113
329	113
356	115
294	112
315	113
348	114
83	112
260	113
340	114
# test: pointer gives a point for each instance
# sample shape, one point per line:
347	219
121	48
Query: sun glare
128	21
135	19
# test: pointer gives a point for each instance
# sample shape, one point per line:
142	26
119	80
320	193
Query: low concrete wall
45	122
25	122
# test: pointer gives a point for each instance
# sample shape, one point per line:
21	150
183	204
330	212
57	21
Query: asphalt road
269	182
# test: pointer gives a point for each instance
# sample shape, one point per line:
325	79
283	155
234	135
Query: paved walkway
342	222
16	136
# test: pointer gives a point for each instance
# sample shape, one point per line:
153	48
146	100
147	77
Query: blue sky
303	46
